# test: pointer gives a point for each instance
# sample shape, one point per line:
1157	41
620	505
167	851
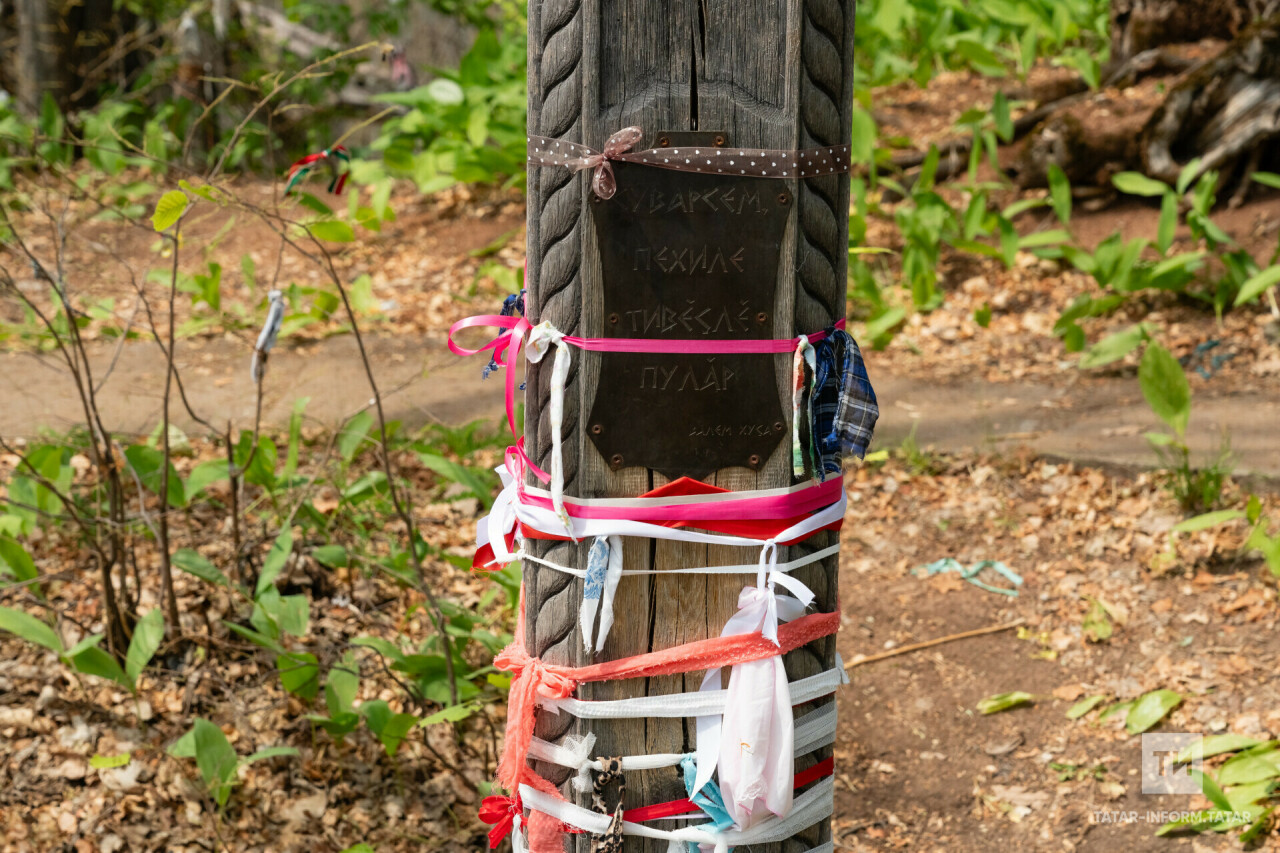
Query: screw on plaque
754	460
614	319
762	317
596	429
663	142
615	461
783	198
719	140
779	426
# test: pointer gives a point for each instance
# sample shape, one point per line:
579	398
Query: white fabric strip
810	807
697	704
814	730
743	569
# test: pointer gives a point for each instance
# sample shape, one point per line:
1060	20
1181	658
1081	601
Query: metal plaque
688	256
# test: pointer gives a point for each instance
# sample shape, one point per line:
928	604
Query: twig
928	644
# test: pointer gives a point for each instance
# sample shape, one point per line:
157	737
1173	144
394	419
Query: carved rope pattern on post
556	296
822	253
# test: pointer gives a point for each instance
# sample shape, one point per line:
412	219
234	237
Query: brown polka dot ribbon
749	162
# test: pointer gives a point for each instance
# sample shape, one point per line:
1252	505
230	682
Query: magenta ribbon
504	349
788	505
723	160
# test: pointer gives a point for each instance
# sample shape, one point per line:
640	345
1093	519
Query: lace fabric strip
741	569
716	160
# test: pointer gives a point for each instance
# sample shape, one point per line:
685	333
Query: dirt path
1083	418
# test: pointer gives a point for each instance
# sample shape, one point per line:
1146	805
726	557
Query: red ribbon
500	813
821	770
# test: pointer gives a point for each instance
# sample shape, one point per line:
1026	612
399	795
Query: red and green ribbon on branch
338	159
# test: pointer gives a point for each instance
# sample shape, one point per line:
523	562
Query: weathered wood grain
770	74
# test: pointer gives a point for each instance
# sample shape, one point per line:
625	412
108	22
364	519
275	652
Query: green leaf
194	564
353	434
215	757
341	685
15	561
982	316
1060	193
184	747
29	628
1150	709
1116	710
1212	745
146	462
1004	122
1257	285
1211	790
107	762
1187	174
1193	822
1267	179
299	673
169	209
1004	701
1165	387
1207	520
445	91
271	752
475	480
1168	227
147	635
333	556
274	563
205	475
95	661
1255	831
1113	347
333	231
1136	183
1085	705
1097	623
1250	767
454	714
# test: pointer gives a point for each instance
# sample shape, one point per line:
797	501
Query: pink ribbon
788	505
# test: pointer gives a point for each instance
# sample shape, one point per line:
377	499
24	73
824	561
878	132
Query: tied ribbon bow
336	158
603	182
501	814
534	681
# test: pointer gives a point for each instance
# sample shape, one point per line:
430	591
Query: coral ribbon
536	680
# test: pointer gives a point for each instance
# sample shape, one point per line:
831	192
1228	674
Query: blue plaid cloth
843	408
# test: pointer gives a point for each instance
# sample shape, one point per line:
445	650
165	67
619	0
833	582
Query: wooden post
770	75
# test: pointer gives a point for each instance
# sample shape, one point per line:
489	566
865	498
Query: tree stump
765	75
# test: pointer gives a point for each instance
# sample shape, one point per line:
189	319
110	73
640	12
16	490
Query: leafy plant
216	758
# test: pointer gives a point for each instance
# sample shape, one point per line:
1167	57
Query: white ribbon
541	338
680	705
813	805
740	569
752	741
267	337
814	730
